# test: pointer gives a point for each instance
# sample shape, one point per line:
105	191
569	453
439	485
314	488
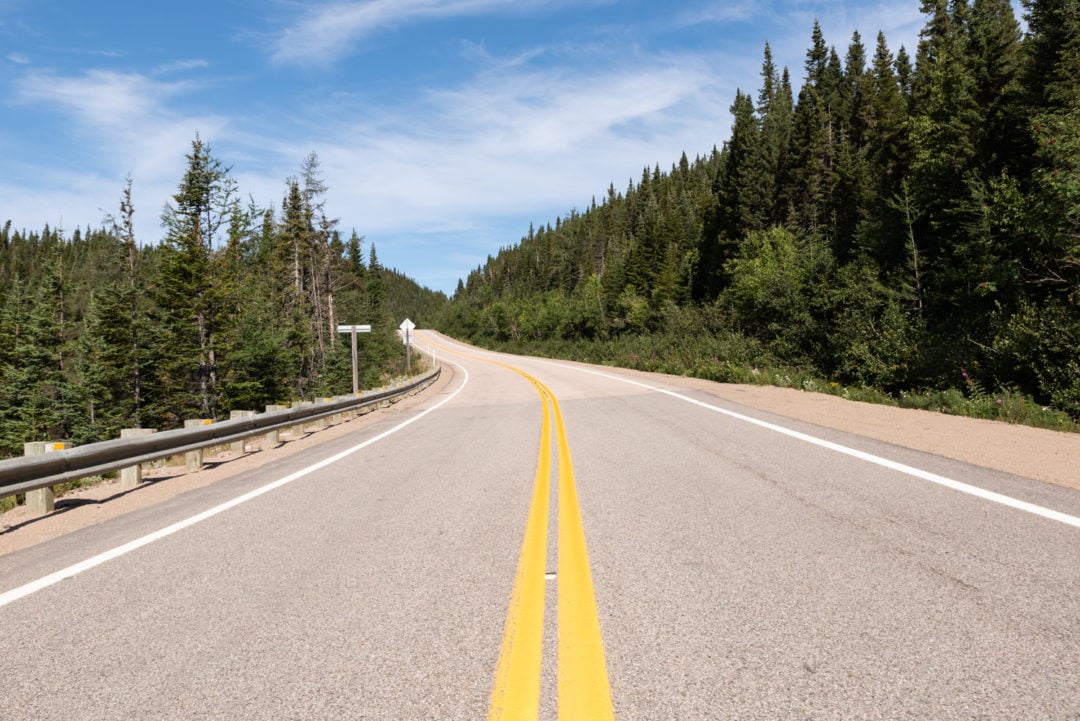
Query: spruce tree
1052	266
880	236
996	60
187	299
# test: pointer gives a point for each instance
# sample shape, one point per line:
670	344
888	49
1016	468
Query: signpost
353	330
406	326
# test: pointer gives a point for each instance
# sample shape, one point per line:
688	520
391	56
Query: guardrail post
193	460
270	440
238	446
132	475
300	427
43	500
321	423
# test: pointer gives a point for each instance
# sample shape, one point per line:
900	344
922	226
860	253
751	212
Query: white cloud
181	66
480	161
101	97
525	140
436	182
122	123
330	30
18	58
718	12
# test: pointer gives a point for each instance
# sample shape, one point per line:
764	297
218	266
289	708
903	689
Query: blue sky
444	127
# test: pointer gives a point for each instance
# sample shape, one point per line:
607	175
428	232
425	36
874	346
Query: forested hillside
235	308
901	223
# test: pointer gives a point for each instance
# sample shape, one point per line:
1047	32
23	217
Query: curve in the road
73	570
584	691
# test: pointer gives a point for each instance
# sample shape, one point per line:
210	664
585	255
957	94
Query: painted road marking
515	695
862	455
584	691
74	570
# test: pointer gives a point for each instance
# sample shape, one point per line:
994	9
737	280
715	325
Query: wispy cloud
180	66
102	97
521	143
125	123
718	12
18	58
330	30
528	136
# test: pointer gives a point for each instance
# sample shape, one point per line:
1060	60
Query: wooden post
132	475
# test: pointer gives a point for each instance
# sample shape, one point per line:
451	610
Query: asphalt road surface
543	540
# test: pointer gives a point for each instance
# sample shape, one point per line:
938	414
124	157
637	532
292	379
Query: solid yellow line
584	689
515	695
584	692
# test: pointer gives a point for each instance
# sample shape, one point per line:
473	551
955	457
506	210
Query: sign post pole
353	330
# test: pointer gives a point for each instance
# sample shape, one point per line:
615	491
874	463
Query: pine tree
123	314
944	143
775	108
853	195
814	139
879	237
1053	263
187	298
996	60
44	403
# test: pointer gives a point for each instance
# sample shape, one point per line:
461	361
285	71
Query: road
545	540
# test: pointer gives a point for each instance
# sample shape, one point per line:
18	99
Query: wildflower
998	401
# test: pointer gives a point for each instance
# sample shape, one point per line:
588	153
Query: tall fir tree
187	297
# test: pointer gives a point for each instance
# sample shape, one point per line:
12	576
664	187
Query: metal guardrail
29	473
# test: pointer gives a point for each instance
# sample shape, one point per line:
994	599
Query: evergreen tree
187	300
42	392
814	139
853	196
1053	262
775	108
996	60
880	235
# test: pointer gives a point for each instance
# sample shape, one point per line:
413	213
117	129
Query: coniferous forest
901	224
904	224
235	307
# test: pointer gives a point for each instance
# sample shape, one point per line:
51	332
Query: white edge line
74	570
862	455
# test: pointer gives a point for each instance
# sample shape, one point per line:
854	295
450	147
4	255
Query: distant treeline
900	224
234	308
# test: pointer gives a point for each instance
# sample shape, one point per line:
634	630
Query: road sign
406	326
354	329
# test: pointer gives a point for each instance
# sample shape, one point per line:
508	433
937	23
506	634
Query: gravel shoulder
1048	456
1043	455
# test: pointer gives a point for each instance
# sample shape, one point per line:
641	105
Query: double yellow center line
584	693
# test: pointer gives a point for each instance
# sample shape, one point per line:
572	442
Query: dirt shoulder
1043	455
